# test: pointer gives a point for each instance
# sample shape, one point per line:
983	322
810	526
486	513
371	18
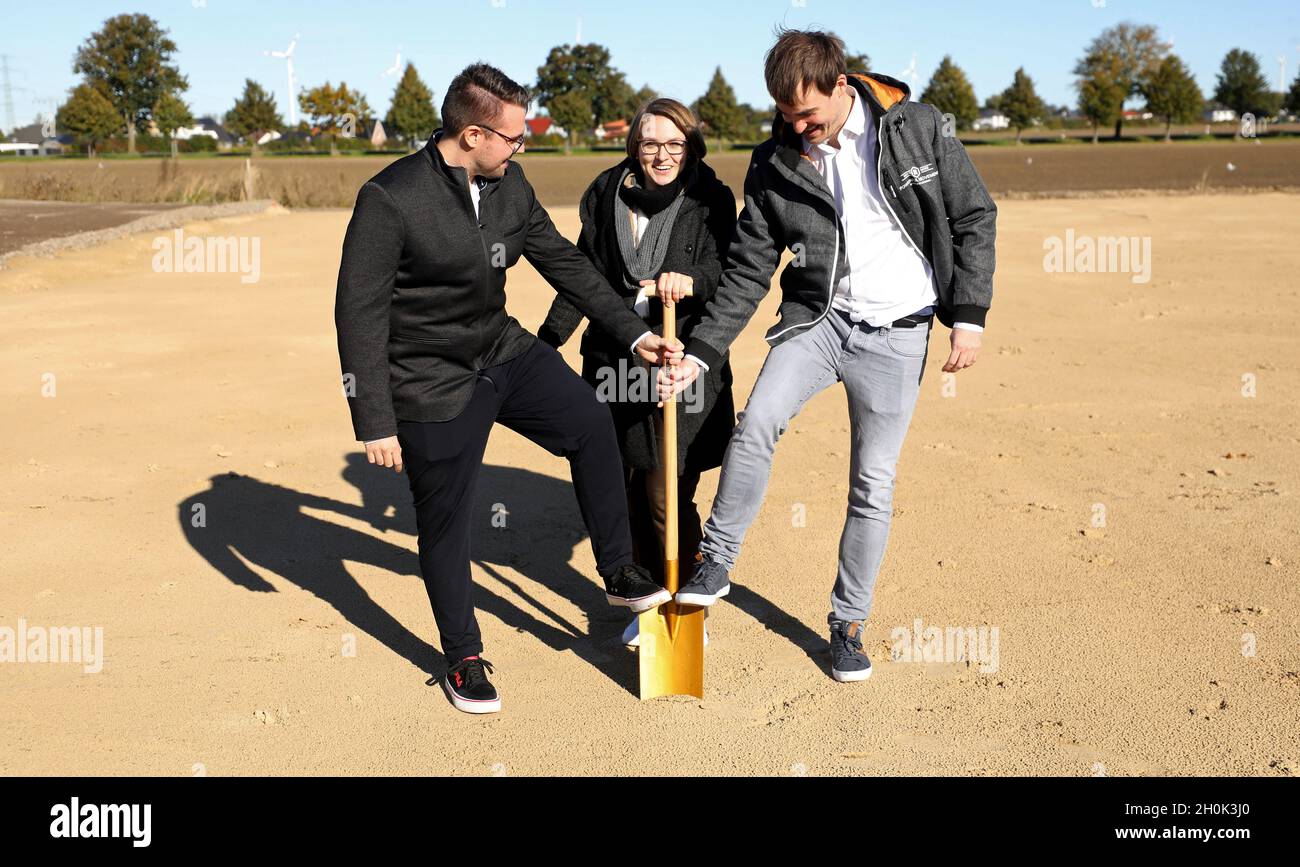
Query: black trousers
535	394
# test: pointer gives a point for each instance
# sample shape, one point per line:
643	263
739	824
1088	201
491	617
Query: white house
206	126
990	120
22	149
31	140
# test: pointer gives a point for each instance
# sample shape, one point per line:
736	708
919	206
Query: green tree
1241	85
335	111
645	94
1292	102
1102	89
412	115
622	100
585	68
128	60
90	116
170	114
1130	53
254	113
571	110
1021	103
857	63
638	99
754	118
950	91
1172	93
717	109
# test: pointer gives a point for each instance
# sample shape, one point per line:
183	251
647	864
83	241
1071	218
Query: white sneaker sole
469	705
850	676
704	600
643	603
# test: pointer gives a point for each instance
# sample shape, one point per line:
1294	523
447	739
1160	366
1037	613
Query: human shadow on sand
240	520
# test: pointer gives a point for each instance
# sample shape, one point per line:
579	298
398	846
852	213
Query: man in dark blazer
431	359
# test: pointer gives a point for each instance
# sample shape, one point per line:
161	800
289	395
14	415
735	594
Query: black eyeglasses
674	148
515	143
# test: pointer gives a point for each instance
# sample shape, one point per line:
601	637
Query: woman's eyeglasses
674	148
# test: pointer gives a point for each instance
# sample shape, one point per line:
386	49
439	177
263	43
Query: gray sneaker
848	662
709	584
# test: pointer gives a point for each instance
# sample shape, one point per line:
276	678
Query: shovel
672	636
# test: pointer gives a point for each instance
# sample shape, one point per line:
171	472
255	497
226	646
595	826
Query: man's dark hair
812	56
476	95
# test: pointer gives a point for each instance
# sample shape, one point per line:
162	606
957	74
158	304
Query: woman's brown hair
680	115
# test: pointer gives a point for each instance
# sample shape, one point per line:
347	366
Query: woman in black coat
659	218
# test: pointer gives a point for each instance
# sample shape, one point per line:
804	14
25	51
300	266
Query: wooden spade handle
669	458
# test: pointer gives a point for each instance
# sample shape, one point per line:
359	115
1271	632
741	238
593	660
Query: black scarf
651	202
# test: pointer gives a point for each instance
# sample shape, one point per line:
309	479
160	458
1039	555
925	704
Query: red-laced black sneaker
468	687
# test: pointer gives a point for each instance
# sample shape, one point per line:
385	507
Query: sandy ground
292	635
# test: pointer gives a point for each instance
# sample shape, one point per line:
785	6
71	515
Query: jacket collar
454	174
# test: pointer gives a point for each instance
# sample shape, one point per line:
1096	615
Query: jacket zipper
830	285
880	179
487	271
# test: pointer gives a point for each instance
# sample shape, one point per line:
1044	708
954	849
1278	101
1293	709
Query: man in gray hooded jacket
889	225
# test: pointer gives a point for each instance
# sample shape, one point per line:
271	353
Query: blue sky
673	45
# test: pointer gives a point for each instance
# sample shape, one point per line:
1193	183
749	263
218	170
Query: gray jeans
881	370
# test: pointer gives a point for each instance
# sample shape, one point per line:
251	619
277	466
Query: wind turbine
397	64
287	54
1281	73
910	72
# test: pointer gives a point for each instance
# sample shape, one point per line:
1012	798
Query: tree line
129	82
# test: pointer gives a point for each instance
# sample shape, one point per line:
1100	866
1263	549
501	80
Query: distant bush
153	145
545	141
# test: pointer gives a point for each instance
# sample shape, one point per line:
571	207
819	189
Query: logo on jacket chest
919	175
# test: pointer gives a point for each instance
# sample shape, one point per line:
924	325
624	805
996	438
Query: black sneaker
468	688
632	587
848	662
709	584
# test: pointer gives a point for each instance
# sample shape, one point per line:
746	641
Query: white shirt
473	193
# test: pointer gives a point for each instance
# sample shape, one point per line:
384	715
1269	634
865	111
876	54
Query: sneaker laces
852	643
708	570
473	669
626	576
